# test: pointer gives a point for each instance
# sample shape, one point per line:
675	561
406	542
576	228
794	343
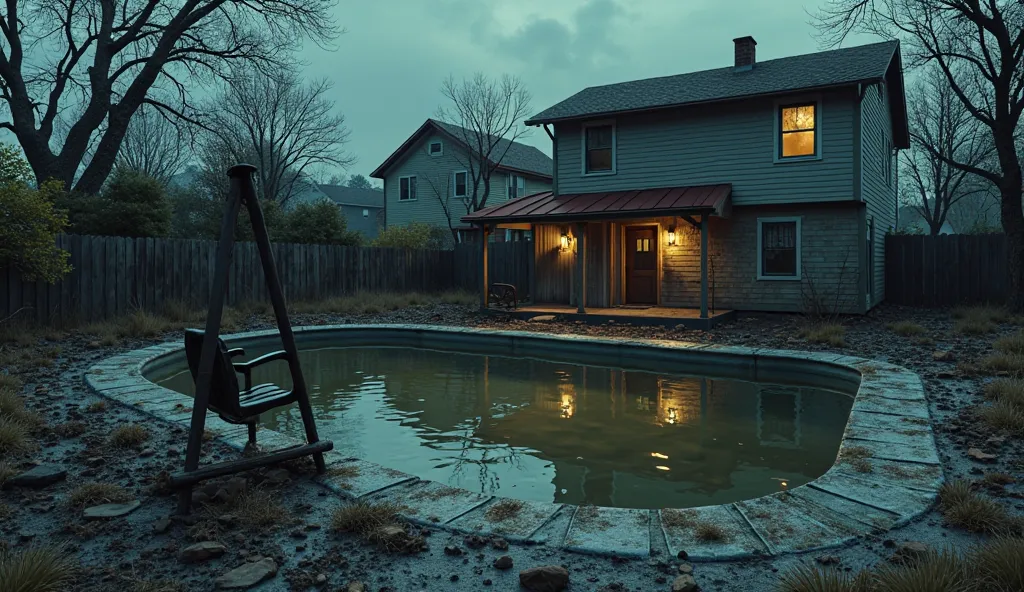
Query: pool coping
889	429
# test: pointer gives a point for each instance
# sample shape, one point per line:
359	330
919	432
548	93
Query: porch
629	256
666	316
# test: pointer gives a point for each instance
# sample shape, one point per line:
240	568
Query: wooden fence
946	270
112	276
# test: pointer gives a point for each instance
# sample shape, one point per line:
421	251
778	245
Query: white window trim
440	152
799	257
455	190
583	147
818	127
411	196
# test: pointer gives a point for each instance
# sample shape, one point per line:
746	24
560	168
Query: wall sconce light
672	235
565	241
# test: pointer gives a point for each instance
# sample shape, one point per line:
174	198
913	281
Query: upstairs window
516	186
366	213
778	246
798	126
460	183
599	148
436	149
406	188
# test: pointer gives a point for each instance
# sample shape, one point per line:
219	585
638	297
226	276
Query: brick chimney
746	49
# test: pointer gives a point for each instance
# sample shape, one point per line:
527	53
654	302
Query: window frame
455	184
430	145
583	147
760	246
777	115
366	213
509	186
411	188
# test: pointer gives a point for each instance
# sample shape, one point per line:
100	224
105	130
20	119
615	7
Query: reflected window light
659	455
662	468
673	415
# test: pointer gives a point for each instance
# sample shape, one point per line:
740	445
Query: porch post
581	268
704	266
484	281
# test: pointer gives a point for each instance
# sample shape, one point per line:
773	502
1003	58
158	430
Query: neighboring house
363	208
761	186
427	178
911	220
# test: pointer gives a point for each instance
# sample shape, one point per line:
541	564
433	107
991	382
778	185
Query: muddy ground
141	551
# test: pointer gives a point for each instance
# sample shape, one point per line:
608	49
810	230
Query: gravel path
143	546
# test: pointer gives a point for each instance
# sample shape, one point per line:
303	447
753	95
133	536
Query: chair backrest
224	390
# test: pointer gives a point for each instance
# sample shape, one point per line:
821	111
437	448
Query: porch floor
654	315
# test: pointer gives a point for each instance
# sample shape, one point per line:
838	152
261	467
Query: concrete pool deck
888	428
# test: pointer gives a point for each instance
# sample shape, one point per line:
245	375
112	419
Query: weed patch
128	436
825	333
363	518
70	429
1003	415
14	437
37	569
505	509
258	509
93	494
964	508
907	329
1012	364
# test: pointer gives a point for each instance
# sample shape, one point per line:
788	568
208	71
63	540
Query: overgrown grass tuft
936	570
70	429
94	494
128	436
999	564
37	569
978	320
818	578
1003	415
8	382
832	334
964	508
1010	390
12	407
1010	344
907	328
363	518
14	437
258	509
1012	364
7	470
709	532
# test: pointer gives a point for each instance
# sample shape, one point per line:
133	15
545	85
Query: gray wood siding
554	269
432	185
828	237
725	143
880	196
598	264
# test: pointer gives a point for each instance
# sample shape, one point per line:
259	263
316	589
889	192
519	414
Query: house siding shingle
432	178
730	142
879	195
829	246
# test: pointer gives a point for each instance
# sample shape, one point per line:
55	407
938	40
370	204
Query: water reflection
560	432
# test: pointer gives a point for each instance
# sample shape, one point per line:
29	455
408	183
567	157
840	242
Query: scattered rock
685	568
977	454
36	477
277	476
111	510
684	583
945	375
201	552
475	542
503	562
542	319
943	356
355	587
682	555
499	544
910	552
321	579
248	574
453	550
827	559
162	525
546	578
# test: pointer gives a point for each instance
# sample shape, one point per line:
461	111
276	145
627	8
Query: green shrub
29	225
318	223
132	204
13	168
416	235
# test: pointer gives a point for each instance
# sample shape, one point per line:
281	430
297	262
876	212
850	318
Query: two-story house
764	186
363	208
428	178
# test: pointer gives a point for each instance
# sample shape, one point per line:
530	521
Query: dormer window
435	149
798	128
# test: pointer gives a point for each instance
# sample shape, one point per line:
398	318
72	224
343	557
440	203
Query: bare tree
441	187
101	60
979	48
942	130
154	145
489	114
287	127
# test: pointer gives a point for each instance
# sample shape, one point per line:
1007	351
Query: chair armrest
236	352
246	366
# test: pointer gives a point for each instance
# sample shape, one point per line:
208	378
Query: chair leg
252	433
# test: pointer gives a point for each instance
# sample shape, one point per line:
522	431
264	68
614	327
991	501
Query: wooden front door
641	265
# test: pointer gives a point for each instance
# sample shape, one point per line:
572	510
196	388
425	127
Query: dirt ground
141	552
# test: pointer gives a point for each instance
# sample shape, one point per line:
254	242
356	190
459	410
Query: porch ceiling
643	203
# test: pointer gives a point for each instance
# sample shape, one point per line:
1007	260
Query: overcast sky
388	67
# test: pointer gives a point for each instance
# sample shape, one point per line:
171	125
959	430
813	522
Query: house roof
518	157
834	68
545	206
353	196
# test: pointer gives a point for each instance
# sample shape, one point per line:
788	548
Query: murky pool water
551	431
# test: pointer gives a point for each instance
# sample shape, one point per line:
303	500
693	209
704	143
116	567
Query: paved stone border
889	424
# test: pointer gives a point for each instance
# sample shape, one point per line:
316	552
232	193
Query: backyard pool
560	431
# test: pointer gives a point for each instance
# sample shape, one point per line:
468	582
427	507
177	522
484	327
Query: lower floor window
778	246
